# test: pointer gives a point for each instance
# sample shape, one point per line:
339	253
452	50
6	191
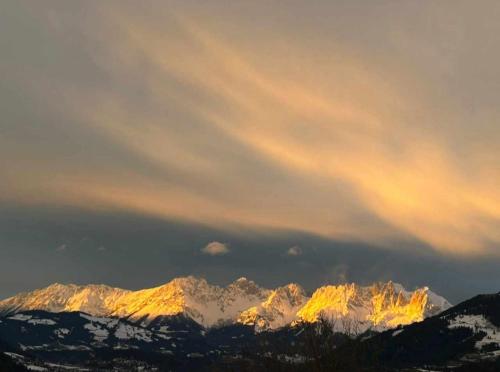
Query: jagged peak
291	289
291	293
241	279
59	286
245	285
79	287
187	281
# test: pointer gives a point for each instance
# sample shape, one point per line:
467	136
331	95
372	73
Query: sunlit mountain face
380	306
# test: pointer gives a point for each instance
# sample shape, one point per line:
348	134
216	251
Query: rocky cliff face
279	309
379	306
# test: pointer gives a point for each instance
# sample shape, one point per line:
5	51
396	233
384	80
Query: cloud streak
229	123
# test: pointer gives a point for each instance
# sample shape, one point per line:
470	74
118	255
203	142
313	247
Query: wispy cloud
188	119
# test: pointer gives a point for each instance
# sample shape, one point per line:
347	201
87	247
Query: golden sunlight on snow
379	306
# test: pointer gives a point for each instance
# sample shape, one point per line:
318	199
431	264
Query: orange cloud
269	136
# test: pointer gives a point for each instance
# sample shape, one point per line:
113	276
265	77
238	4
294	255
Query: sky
315	142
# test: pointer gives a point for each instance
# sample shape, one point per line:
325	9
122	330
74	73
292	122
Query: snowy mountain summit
379	306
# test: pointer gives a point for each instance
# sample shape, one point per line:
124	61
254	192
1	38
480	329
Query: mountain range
379	306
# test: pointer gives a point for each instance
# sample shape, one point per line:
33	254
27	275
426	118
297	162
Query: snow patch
14	355
34	347
477	323
33	367
397	332
125	332
108	322
71	368
20	317
164	329
100	334
31	320
61	332
41	321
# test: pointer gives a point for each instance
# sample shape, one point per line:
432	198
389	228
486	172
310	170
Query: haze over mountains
379	306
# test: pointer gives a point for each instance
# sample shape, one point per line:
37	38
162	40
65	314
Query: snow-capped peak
92	298
379	306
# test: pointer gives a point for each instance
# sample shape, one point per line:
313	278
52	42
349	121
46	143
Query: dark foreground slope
7	363
463	338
